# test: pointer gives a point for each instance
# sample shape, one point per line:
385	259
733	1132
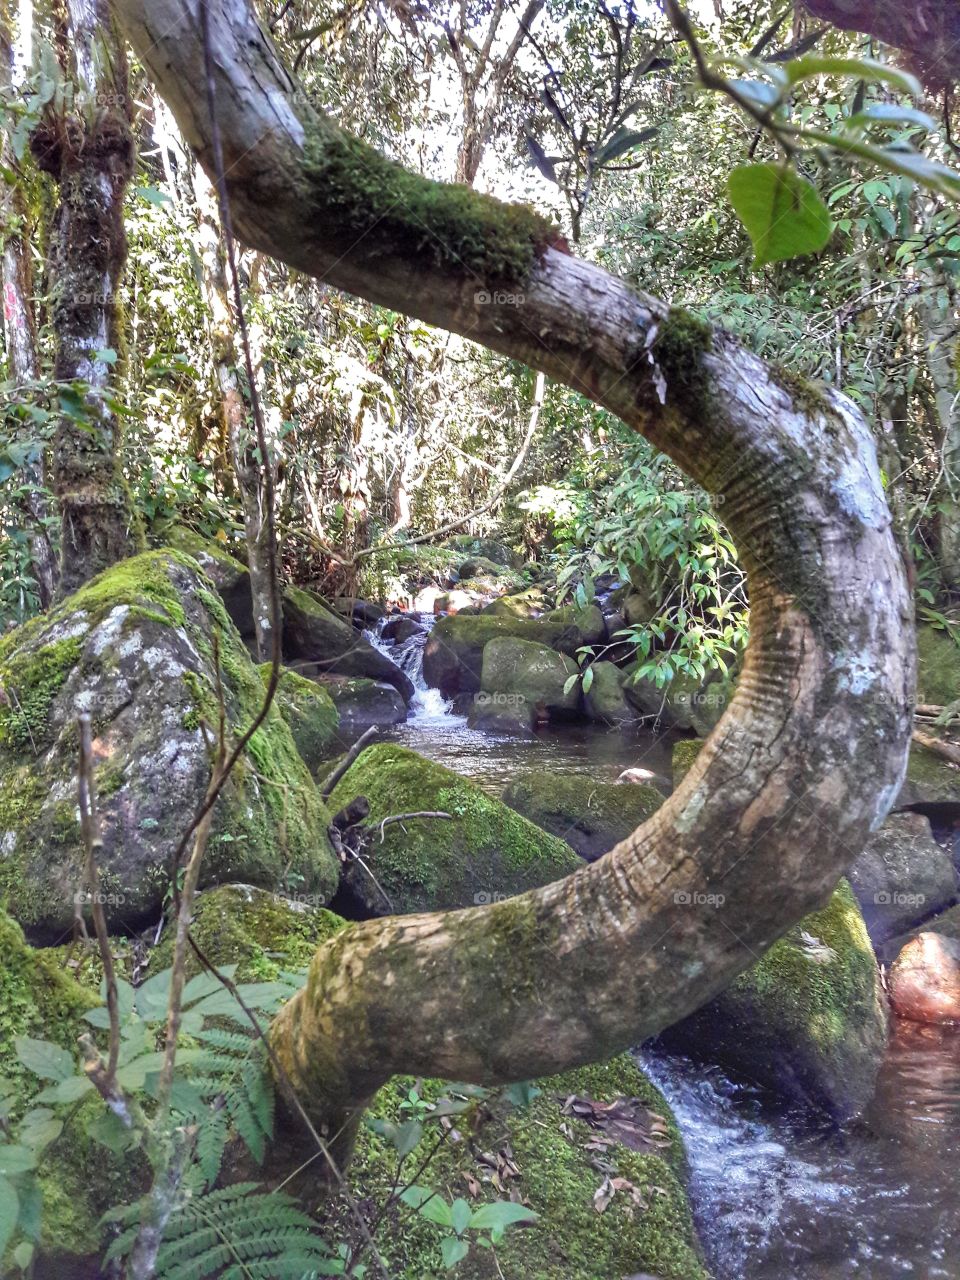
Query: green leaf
106	355
570	682
453	1251
587	679
863	68
23	1254
9	1212
16	1159
891	113
624	140
501	1213
70	1090
782	212
44	1059
460	1214
429	1204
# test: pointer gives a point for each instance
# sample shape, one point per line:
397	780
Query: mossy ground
40	998
558	1177
938	666
486	850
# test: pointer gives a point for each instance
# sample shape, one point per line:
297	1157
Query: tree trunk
928	30
91	155
943	352
236	413
811	752
19	316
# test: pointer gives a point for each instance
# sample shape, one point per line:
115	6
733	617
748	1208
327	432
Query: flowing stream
776	1196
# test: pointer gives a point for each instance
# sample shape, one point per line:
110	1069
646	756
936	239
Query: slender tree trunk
235	411
19	316
811	752
91	155
943	352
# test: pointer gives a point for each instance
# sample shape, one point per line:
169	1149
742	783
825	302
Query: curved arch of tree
811	752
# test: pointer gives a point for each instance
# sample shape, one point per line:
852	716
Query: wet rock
524	682
401	629
808	1022
925	979
362	613
135	649
605	701
686	702
453	654
313	633
360	704
487	548
902	877
590	816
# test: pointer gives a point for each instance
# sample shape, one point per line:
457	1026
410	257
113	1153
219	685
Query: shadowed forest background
316	616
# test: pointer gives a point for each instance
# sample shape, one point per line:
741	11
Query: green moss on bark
360	194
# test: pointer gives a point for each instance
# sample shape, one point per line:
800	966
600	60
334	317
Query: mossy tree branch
811	751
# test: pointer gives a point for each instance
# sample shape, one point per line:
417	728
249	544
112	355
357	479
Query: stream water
776	1196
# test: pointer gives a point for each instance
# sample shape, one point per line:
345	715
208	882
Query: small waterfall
429	707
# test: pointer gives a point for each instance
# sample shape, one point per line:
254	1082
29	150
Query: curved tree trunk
91	154
811	751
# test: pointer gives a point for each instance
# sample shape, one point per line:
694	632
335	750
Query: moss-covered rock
137	649
529	603
525	683
686	702
453	654
313	633
590	816
262	933
498	553
808	1022
581	626
429	864
542	1154
605	701
684	754
310	714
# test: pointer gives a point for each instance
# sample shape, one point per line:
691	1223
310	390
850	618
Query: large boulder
686	702
529	603
596	1155
925	979
582	626
453	654
931	780
313	633
591	816
605	701
261	933
484	852
310	714
137	649
486	548
524	683
902	877
808	1022
360	704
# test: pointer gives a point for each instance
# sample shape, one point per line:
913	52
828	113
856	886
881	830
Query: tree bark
236	412
943	350
811	752
19	316
91	154
928	30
